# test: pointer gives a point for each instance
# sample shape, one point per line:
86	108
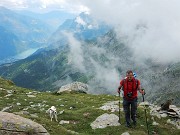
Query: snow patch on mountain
80	21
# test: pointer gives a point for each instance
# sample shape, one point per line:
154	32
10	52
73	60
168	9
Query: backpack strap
123	84
136	84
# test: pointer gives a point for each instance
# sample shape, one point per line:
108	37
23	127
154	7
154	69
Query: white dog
52	112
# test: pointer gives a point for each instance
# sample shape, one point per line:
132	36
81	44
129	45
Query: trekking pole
145	114
119	108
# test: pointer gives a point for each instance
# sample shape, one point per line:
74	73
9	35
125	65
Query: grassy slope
82	103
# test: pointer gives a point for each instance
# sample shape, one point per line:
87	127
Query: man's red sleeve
139	83
121	82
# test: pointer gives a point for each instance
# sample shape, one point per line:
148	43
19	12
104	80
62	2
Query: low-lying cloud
75	56
105	75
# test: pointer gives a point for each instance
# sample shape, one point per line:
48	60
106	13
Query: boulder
11	124
125	133
76	86
105	120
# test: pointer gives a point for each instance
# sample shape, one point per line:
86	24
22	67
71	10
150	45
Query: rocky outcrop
11	124
76	86
105	120
161	112
176	123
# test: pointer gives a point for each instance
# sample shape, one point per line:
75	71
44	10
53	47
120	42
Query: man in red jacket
130	87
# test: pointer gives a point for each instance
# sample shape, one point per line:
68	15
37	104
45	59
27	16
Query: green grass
81	103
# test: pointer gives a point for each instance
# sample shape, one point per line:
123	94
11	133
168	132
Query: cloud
106	77
88	60
151	28
75	56
45	5
21	4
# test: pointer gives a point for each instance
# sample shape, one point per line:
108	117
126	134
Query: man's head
129	75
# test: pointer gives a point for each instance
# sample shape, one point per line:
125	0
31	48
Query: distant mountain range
51	63
20	33
52	18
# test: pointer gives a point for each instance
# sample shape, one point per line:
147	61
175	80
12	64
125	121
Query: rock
172	106
112	106
34	115
144	104
6	109
31	96
76	86
86	115
72	132
125	133
18	104
162	112
164	115
8	95
171	113
9	91
61	112
155	123
176	123
63	122
11	124
105	120
25	109
21	112
155	113
173	110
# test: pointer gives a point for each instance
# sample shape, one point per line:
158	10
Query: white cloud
75	56
150	27
21	4
45	5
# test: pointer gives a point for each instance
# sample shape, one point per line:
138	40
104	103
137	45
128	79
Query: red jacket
130	86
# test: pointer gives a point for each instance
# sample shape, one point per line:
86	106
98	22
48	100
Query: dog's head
53	108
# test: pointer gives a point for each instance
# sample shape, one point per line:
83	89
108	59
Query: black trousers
130	109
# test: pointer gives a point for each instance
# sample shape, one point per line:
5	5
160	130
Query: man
130	86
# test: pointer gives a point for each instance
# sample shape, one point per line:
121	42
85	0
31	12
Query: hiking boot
128	125
134	124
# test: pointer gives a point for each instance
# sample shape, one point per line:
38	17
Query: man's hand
142	91
118	90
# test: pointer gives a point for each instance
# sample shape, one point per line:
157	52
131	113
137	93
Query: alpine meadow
89	67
